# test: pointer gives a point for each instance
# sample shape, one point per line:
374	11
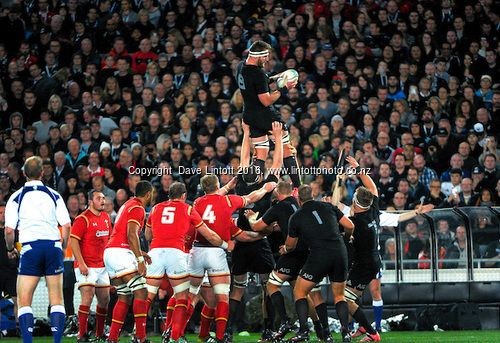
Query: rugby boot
346	338
360	332
375	337
300	337
84	338
284	328
267	336
165	337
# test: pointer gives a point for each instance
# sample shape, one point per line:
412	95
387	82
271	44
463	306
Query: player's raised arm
259	193
278	148
365	178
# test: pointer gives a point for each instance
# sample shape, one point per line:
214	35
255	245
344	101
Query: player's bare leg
87	293
338	289
237	292
26	286
289	159
57	311
126	287
102	295
352	295
208	310
302	288
221	286
321	311
377	302
276	280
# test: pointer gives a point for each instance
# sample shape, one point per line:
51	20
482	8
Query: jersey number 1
209	215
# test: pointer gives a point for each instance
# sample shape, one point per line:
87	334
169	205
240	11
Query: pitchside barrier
446	256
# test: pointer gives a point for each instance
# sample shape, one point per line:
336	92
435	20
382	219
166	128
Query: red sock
207	315
100	318
189	313
140	316
83	317
170	310
178	318
119	314
221	316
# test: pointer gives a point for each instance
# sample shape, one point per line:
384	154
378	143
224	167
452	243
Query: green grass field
490	336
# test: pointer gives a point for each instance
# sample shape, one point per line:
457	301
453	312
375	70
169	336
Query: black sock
360	317
318	328
343	313
291	165
270	312
302	308
322	312
279	304
233	309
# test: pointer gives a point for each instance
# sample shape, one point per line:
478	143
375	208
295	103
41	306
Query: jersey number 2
209	215
168	215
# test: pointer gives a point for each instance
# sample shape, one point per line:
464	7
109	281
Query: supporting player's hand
83	269
249	213
283	250
277	128
352	162
230	245
14	254
141	268
147	258
232	183
290	85
269	186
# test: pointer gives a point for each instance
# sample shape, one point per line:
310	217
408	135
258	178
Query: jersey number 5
209	215
168	215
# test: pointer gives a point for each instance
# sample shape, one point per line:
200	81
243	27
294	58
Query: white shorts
119	262
170	261
210	260
97	277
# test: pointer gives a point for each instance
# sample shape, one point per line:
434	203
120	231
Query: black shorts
261	123
291	264
361	274
255	257
331	263
8	280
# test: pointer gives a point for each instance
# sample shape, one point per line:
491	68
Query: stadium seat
484	292
451	292
416	293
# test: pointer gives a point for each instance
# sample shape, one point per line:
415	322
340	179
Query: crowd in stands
98	88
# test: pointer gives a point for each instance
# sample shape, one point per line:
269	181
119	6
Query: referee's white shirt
36	210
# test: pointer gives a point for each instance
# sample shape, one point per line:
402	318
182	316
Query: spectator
456	254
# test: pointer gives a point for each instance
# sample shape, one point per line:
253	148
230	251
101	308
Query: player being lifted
167	227
126	263
89	236
259	114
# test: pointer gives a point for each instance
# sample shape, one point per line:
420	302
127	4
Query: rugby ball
290	75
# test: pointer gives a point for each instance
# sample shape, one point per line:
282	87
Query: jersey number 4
209	215
168	215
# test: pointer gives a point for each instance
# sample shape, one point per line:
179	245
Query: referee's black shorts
331	262
261	123
361	274
255	257
291	264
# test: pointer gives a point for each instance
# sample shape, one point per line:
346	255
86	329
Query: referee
317	224
36	211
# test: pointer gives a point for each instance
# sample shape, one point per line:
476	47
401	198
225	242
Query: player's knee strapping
221	288
182	287
285	139
123	290
240	283
136	283
275	279
152	289
194	289
350	295
264	144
